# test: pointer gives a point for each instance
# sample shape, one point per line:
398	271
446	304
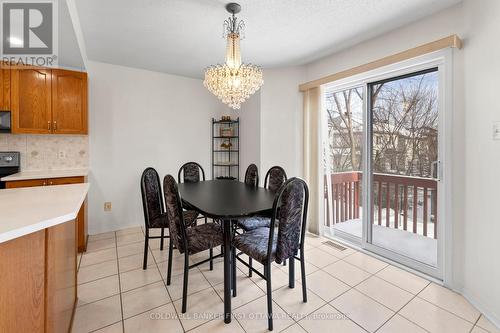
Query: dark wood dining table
226	200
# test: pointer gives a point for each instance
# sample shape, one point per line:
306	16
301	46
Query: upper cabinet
48	101
69	102
31	100
4	86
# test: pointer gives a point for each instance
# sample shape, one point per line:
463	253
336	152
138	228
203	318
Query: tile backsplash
48	152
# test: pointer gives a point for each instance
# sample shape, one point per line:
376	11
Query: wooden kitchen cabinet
38	284
69	102
31	100
26	183
81	220
4	86
48	101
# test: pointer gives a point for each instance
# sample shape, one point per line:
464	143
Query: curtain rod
452	41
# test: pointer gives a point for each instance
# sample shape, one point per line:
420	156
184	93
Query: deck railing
401	202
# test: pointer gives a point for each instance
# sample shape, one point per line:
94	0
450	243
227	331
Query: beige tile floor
348	291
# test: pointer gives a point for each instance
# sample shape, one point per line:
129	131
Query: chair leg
146	249
291	273
267	273
161	239
211	259
250	268
233	268
185	285
169	269
303	273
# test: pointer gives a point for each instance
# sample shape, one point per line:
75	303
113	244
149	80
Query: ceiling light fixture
234	81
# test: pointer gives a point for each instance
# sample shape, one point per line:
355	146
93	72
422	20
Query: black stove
10	162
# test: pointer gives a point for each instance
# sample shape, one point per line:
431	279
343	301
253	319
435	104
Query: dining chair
275	178
264	246
252	175
191	172
154	211
188	240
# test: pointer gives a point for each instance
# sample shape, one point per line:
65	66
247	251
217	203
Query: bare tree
404	120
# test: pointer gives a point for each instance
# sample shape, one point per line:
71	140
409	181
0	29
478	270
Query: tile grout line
454	314
165	285
353	287
397	313
119	284
411	321
475	324
148	284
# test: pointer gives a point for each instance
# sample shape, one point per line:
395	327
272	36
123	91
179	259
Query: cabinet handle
51	183
48	125
55	125
44	183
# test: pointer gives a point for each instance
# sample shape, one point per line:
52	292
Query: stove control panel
9	159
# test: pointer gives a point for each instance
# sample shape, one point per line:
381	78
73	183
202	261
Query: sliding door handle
436	170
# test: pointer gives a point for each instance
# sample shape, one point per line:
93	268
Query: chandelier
234	81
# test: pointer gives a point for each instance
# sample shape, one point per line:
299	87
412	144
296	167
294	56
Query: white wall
281	120
138	119
250	133
482	162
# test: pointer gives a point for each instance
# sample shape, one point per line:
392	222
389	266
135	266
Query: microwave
5	122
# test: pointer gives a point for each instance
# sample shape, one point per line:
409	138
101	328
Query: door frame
443	60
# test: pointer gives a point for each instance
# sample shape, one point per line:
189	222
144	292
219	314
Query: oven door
5	122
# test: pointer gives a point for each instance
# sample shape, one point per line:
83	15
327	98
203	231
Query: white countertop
30	209
25	175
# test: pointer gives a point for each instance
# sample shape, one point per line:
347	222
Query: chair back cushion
174	212
291	219
151	196
275	178
191	173
252	175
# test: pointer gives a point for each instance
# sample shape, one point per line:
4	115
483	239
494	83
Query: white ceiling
69	52
184	36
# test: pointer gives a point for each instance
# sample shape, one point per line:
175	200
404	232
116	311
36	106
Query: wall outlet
107	206
62	154
496	130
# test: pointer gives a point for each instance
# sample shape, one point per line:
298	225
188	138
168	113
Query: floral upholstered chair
154	212
188	240
263	245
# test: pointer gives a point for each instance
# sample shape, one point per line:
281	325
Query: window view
404	115
343	160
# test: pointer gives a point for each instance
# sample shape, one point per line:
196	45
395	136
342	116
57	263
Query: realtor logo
28	29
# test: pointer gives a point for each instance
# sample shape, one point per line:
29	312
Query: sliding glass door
403	134
383	156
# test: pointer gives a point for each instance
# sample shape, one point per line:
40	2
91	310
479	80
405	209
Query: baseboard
108	228
492	317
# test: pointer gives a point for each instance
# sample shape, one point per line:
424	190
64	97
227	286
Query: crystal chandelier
233	82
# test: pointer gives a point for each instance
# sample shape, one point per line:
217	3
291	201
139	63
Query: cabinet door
66	180
31	100
69	102
4	87
26	183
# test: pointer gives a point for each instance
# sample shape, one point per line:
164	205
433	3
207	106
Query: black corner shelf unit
226	149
